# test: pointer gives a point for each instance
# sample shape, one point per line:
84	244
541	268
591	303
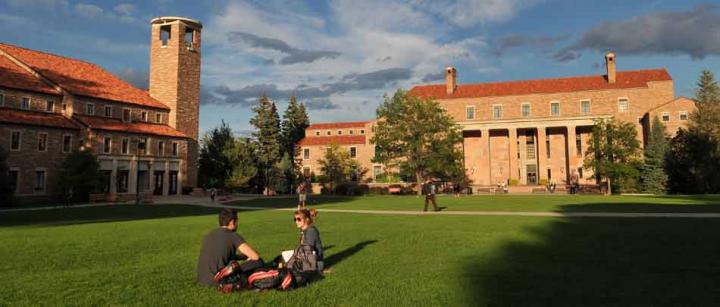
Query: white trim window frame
107	144
158	118
160	148
497	111
89	108
25	103
49	105
682	114
306	153
17	179
42	144
522	109
665	117
37	188
623	107
19	140
554	112
125	146
175	149
583	109
470	112
144	116
353	152
108	111
127	119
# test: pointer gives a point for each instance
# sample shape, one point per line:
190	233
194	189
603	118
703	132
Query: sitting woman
310	238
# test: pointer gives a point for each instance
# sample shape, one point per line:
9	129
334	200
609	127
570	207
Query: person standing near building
429	191
302	194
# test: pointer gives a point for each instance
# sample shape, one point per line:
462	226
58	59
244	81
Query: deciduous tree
80	172
214	166
613	152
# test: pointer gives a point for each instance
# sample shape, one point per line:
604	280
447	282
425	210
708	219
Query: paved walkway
205	202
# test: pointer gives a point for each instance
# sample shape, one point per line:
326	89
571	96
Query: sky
341	57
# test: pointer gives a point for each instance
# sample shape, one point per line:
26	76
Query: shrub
543	181
513	182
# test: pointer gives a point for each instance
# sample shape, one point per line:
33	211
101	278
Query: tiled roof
338	125
624	79
35	118
115	124
14	76
82	78
338	139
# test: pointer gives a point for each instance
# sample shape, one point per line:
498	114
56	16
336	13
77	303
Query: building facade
536	131
146	141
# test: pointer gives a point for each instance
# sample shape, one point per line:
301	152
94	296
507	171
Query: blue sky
340	57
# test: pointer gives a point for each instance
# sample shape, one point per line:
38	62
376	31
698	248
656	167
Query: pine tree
295	120
267	136
707	100
418	136
654	178
242	159
214	166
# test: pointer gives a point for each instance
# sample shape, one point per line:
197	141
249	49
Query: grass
146	255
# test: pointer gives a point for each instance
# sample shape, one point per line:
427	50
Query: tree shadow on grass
287	203
603	261
638	207
344	254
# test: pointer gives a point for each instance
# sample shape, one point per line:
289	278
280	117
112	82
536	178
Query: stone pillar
180	178
132	176
571	152
541	153
151	176
513	165
166	179
487	161
113	178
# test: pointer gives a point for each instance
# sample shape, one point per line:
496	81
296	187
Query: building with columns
145	140
533	131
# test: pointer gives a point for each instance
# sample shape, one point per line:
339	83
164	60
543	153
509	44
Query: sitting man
220	250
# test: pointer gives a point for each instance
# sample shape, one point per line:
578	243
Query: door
159	182
173	182
531	174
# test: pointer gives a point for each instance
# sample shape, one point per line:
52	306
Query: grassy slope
97	256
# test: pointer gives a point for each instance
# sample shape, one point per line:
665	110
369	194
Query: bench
484	190
539	190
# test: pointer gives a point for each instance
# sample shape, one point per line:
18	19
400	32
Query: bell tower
175	53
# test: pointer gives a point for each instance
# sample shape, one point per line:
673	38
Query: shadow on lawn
286	203
344	254
603	261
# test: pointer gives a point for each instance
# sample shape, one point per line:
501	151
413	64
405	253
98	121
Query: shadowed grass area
538	203
146	255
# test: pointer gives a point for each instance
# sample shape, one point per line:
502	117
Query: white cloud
36	3
468	13
124	9
88	10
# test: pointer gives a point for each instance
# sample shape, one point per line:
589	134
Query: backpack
272	279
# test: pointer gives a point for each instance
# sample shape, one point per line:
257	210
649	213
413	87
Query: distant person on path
221	249
213	192
429	192
302	195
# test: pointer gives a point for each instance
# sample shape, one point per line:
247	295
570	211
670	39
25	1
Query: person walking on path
429	191
302	195
213	192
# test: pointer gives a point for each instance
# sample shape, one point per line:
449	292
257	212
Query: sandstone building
535	131
51	105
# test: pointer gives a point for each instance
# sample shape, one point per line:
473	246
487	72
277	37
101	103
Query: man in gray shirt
429	191
220	250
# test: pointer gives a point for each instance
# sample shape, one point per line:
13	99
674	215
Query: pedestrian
213	192
302	195
429	191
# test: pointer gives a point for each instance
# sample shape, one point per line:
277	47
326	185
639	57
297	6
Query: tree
707	100
337	166
214	166
5	188
613	153
80	172
267	135
241	156
282	172
654	178
417	135
295	120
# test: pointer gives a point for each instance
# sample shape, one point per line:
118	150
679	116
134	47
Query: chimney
451	80
610	64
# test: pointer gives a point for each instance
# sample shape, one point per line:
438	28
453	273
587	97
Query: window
549	174
353	152
108	111
339	132
189	34
623	105
165	34
470	112
497	111
328	133
14	177
350	132
142	146
175	149
161	148
525	109
42	142
125	146
64	107
107	144
15	140
2	100
377	171
126	115
49	106
578	145
665	116
39	180
317	133
683	115
580	172
547	147
362	131
585	107
25	103
306	153
90	109
67	143
555	108
144	116
158	118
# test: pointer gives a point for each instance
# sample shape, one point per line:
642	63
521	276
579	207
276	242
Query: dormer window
90	109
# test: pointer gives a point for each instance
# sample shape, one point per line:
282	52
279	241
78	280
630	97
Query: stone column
488	154
132	176
513	165
179	178
151	176
113	178
541	153
571	152
166	179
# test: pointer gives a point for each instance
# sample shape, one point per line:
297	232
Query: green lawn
146	255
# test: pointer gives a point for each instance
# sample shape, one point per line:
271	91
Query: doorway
531	174
158	182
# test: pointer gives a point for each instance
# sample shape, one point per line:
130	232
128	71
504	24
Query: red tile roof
624	79
35	118
338	125
327	140
14	76
115	124
82	78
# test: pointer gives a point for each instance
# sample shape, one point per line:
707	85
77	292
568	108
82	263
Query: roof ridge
352	122
48	53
